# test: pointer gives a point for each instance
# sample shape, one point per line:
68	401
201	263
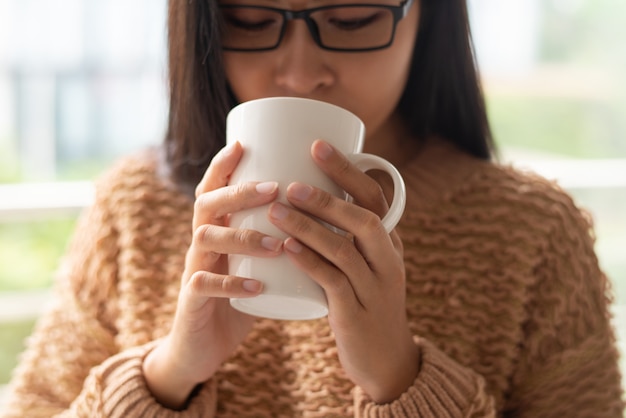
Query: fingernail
299	191
293	246
323	150
278	211
271	243
251	286
266	187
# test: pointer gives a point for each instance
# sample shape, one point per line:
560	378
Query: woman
486	301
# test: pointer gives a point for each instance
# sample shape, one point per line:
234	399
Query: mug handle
366	162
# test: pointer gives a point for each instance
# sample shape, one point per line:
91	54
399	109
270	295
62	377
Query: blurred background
83	82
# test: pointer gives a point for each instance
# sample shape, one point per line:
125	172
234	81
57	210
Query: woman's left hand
363	277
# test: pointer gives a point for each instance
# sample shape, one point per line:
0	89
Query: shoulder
444	182
136	191
131	170
530	213
523	194
460	197
142	176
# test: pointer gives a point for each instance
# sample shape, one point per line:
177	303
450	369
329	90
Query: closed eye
249	25
355	23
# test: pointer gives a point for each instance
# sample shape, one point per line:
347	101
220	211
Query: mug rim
296	99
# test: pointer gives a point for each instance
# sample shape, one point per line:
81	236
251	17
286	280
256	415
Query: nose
302	67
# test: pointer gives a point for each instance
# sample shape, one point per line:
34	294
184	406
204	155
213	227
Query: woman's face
369	84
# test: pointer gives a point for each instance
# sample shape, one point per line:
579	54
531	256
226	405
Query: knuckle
396	279
397	243
370	222
242	236
206	284
204	207
342	289
235	191
200	203
197	284
345	251
343	167
316	265
228	285
375	197
203	234
302	225
325	200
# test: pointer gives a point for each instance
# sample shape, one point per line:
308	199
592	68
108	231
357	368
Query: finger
372	241
204	284
222	240
211	242
212	207
336	285
220	169
363	188
336	248
397	242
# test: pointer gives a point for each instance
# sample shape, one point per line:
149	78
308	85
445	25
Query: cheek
387	70
246	76
378	84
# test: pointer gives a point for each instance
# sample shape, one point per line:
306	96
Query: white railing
580	174
16	306
34	201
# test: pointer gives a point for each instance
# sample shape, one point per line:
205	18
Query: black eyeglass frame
399	12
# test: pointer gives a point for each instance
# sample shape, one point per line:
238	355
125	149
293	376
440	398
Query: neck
393	142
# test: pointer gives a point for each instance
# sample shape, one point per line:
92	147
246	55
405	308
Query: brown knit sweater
504	295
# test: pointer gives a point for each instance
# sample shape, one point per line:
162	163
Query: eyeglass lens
361	27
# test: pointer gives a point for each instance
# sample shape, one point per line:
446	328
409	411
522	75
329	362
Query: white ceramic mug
277	134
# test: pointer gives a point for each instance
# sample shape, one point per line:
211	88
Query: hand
206	330
364	278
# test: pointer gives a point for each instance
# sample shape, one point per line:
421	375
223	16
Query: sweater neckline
436	171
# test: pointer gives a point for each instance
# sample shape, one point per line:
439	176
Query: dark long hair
443	96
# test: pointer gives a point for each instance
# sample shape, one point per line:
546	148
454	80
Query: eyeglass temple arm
406	6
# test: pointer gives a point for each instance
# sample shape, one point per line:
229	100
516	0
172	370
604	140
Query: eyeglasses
348	27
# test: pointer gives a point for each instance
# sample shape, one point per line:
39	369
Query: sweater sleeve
443	388
117	388
73	366
568	361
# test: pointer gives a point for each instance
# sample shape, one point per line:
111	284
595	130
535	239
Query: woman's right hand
206	330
